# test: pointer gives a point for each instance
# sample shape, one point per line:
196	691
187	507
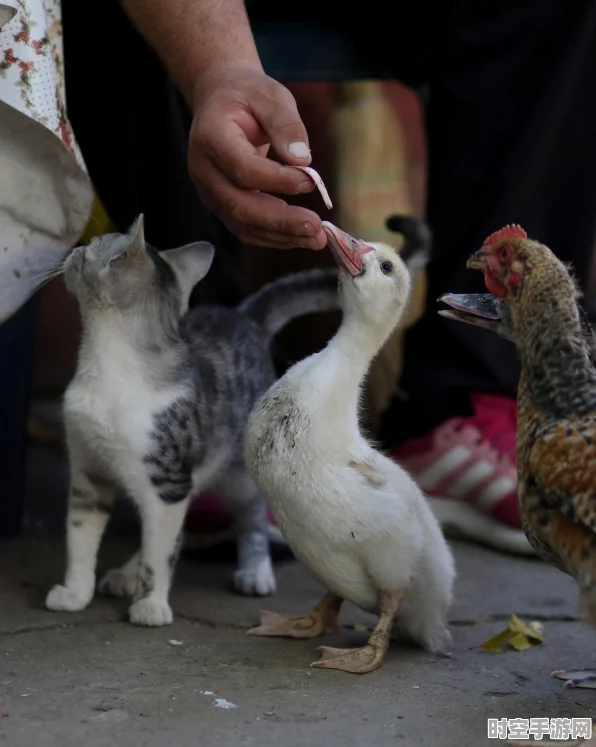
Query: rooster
533	301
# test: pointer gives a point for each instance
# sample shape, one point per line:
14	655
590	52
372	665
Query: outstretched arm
238	111
194	37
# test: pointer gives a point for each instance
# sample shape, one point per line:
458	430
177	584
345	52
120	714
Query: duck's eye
387	267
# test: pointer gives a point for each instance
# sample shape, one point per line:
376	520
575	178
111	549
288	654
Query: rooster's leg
585	678
371	655
323	616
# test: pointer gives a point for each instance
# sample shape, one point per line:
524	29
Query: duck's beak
477	261
347	251
479	309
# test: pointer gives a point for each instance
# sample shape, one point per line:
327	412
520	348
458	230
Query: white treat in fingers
319	182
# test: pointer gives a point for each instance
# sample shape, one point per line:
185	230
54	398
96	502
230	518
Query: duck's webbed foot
370	656
585	678
323	616
356	660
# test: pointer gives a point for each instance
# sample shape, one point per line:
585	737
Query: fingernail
306	230
298	149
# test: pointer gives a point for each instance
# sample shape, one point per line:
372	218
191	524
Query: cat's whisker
34	285
46	281
47	268
94	221
43	277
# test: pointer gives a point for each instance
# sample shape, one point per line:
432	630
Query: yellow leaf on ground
518	636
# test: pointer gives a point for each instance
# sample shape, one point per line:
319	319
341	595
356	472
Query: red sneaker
209	522
468	466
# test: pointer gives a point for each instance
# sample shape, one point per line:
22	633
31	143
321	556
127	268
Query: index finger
242	163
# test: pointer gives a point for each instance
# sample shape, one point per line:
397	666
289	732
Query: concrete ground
90	679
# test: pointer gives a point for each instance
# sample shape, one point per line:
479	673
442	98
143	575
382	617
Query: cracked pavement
92	679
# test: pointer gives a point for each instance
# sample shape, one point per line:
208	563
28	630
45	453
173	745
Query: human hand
237	114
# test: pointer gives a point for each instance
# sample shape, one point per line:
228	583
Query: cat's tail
417	241
284	299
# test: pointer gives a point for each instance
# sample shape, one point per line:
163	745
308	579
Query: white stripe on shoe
478	473
494	492
443	466
466	479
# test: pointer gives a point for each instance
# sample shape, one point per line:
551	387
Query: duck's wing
379	499
371	473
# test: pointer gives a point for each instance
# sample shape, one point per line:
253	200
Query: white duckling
352	516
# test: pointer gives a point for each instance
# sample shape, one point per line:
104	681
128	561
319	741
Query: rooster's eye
386	267
505	252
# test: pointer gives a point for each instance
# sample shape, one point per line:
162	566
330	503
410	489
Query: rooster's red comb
509	232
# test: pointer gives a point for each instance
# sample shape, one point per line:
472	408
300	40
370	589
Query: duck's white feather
352	516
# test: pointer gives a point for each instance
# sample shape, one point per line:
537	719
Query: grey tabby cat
158	407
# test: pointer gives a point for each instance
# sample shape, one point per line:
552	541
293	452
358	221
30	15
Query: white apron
45	192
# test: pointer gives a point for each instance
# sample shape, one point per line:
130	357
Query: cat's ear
136	233
190	264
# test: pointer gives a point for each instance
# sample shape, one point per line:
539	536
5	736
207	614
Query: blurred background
368	144
387	176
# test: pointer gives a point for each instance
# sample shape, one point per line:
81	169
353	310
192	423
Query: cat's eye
386	267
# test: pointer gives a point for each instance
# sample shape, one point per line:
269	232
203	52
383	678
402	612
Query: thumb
278	116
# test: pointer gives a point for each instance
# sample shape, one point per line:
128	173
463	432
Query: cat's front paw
63	599
150	612
117	583
258	581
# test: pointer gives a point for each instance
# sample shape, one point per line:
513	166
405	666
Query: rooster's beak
347	251
479	309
